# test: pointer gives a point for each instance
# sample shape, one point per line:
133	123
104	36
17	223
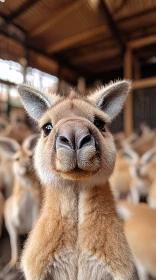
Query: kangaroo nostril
84	141
64	140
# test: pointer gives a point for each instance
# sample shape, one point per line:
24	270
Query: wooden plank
112	25
78	38
61	13
136	69
144	83
81	85
95	56
7	83
142	42
52	16
22	9
128	109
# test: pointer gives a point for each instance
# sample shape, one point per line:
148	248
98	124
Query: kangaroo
78	234
21	209
140	230
140	169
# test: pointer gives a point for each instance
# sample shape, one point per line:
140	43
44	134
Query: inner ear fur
111	98
9	146
130	155
35	102
149	156
30	142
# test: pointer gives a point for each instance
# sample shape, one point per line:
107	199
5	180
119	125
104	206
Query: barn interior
83	44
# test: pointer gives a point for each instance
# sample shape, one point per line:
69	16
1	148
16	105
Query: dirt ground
5	258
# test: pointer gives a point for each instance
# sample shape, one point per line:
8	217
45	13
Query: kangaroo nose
73	141
27	165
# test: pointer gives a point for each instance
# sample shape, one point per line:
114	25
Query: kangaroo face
75	143
22	162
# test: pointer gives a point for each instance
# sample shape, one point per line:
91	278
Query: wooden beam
7	83
30	45
5	18
144	83
22	9
128	109
142	42
136	69
81	85
112	25
137	15
96	56
78	38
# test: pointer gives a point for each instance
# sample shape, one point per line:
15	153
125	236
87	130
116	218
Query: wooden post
81	85
136	69
23	61
128	109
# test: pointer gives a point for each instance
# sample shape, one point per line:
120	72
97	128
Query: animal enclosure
66	51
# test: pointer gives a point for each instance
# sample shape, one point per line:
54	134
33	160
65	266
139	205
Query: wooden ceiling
72	38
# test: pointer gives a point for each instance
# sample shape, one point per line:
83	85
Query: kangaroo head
139	165
147	160
21	155
75	143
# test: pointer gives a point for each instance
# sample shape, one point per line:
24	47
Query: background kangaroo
22	207
78	234
140	230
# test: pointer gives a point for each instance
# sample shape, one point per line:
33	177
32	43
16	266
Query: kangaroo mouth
79	162
77	174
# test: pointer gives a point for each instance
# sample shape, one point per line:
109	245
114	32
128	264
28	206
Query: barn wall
117	124
144	110
144	106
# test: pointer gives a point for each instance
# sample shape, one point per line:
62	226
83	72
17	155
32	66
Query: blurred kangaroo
121	178
142	171
1	211
140	230
22	207
143	143
78	235
17	128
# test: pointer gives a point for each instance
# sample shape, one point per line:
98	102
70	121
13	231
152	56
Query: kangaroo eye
100	124
47	129
17	159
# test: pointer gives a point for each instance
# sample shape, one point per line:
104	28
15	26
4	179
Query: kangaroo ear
34	101
111	98
9	146
130	155
148	156
30	142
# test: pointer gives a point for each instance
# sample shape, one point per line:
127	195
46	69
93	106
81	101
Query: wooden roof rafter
22	9
4	30
112	26
74	40
55	15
